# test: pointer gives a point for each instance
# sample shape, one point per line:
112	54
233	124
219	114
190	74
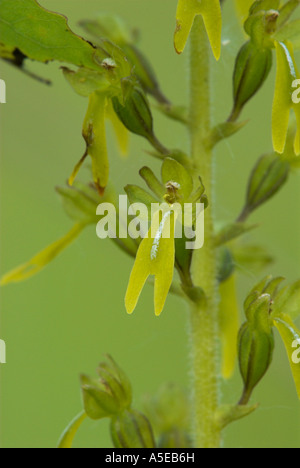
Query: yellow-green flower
287	73
156	256
187	10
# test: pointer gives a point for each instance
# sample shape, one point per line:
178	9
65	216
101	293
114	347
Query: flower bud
256	340
252	67
135	113
268	176
131	429
109	395
255	356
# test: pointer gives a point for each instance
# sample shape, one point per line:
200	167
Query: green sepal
109	395
152	182
288	301
85	82
173	171
138	195
97	401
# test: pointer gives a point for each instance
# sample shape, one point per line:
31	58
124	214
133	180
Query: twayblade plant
120	85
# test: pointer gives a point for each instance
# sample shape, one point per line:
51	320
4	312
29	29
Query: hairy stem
203	318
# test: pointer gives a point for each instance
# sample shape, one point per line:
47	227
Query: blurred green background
61	322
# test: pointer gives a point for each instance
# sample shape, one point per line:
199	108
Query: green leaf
67	437
291	338
43	35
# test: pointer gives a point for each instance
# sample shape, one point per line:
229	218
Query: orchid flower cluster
116	78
